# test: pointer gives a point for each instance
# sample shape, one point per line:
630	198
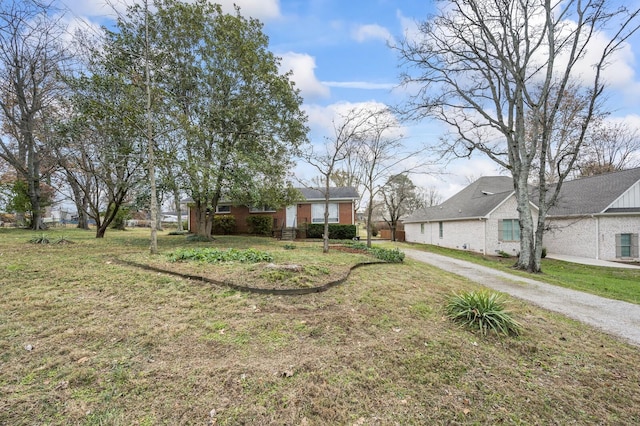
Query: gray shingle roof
592	195
475	201
335	193
584	196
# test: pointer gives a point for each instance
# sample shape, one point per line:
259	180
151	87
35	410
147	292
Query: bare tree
429	196
31	61
610	147
561	146
378	152
485	66
328	157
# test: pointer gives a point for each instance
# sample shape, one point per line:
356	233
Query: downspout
484	231
353	213
597	237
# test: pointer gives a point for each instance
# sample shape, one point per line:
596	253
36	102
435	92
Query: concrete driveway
618	318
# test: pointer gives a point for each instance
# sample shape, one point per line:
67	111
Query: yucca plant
40	239
483	310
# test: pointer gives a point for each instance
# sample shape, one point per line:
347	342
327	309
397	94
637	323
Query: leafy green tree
400	197
103	149
239	121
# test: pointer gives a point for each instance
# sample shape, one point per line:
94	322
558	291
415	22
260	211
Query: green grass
613	283
117	345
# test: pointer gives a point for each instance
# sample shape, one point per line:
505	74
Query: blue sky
338	51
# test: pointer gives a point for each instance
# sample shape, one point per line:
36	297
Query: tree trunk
369	215
81	201
527	256
205	221
176	197
325	235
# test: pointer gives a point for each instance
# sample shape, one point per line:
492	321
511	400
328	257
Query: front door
291	216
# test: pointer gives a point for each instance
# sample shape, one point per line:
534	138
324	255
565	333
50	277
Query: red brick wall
304	214
345	216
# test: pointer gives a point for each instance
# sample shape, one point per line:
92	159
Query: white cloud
303	67
368	32
410	28
260	9
321	118
365	85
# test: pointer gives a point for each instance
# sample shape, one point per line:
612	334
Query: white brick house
596	217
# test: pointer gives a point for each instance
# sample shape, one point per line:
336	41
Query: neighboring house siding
474	234
459	234
609	227
577	236
631	198
571	236
507	210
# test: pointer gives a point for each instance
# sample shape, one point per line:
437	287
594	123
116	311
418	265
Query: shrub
214	255
336	231
40	239
289	247
178	233
120	220
224	224
388	255
260	224
544	252
482	310
504	254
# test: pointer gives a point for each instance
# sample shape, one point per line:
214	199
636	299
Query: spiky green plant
40	239
483	310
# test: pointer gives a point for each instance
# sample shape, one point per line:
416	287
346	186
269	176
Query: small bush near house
482	310
504	254
388	255
260	224
214	255
336	231
224	224
544	252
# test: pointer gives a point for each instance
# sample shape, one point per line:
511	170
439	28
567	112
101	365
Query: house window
422	228
626	245
223	209
440	229
261	209
509	230
317	213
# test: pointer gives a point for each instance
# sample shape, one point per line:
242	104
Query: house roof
594	194
584	196
475	201
335	193
312	194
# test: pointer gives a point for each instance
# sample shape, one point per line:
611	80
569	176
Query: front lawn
87	340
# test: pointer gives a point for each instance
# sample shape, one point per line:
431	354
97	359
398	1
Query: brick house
595	217
310	209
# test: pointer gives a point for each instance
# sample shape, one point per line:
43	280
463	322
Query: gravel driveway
611	316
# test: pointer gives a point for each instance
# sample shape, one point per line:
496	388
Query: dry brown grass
118	346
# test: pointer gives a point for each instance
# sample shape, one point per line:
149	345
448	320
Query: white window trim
317	213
